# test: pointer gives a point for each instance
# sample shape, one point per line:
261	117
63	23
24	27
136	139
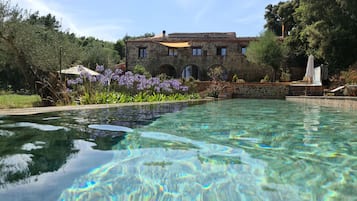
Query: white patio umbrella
77	70
309	75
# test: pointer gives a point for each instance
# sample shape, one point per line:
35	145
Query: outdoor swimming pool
222	150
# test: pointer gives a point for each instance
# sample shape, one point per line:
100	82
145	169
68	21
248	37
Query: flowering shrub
136	86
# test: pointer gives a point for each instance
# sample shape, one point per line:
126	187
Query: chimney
163	33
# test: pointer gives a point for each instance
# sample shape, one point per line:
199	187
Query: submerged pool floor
222	150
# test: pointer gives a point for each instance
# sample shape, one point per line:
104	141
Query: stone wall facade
267	91
215	49
305	90
347	103
247	90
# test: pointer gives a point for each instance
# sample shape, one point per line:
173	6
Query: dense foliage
349	76
325	28
31	46
266	51
280	17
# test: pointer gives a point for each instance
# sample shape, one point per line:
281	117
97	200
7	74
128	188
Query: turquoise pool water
223	150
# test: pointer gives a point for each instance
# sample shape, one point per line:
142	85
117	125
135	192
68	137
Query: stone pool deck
348	103
345	102
38	110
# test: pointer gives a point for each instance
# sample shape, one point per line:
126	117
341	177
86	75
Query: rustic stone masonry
267	91
345	102
193	54
305	90
247	90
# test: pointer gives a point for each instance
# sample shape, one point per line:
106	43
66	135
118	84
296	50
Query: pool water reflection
40	155
225	150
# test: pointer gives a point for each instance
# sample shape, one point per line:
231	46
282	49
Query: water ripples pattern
230	150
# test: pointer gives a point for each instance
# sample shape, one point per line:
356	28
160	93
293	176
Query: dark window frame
142	52
243	50
221	51
197	51
172	51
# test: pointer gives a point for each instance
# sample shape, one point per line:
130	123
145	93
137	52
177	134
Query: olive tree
30	49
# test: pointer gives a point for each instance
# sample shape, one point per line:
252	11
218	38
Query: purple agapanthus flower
99	68
108	73
118	71
128	81
165	86
175	84
71	82
84	75
128	73
92	79
154	81
79	80
103	80
184	88
116	77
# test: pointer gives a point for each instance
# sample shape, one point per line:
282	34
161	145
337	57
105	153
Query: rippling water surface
225	150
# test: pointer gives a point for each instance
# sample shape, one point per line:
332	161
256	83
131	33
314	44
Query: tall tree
325	28
330	29
279	18
267	51
119	46
96	51
28	49
49	21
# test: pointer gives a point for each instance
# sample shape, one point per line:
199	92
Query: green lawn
19	101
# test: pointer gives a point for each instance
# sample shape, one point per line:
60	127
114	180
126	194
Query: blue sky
111	20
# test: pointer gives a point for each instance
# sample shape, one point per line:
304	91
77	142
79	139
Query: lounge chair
334	92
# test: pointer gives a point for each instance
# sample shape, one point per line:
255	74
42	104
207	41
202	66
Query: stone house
184	55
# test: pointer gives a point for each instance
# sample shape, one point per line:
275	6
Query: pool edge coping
329	101
39	110
343	102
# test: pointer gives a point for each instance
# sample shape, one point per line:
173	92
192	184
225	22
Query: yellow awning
177	45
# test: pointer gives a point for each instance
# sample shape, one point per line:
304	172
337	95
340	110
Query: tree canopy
280	15
30	48
325	28
266	51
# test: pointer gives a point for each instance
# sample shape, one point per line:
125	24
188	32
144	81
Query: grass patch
19	101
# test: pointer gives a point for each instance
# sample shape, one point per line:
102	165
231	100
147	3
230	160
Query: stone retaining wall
248	90
258	90
305	90
348	103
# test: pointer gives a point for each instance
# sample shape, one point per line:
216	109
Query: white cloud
104	32
108	21
46	8
185	4
109	32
